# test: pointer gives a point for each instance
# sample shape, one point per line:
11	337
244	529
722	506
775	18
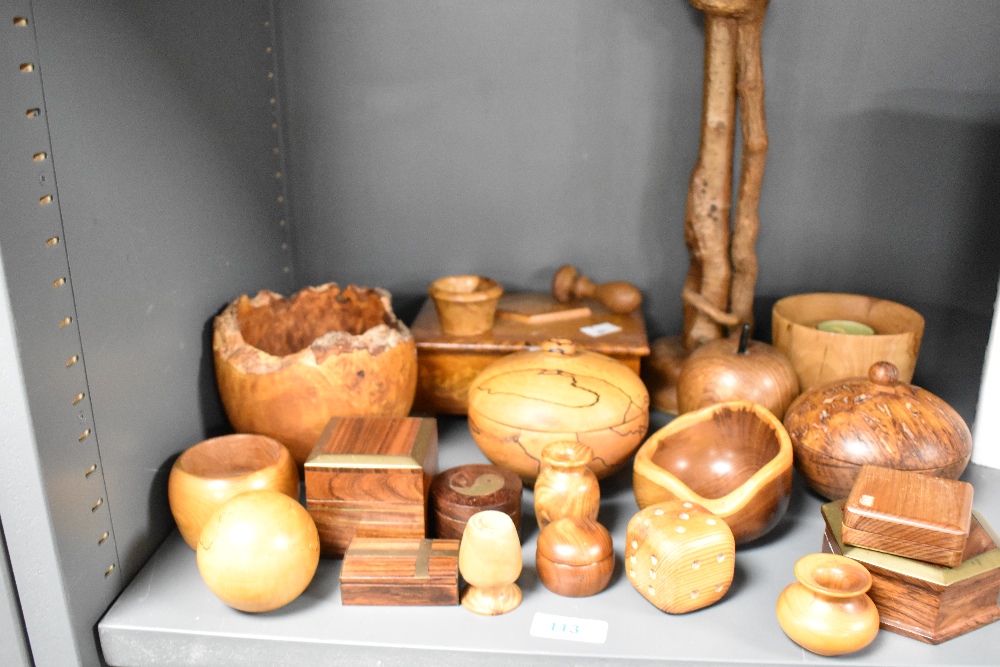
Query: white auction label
602	329
571	629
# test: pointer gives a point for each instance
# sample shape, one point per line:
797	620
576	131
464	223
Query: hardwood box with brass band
446	365
370	477
921	600
400	572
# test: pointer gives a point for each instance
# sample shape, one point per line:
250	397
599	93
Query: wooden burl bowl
734	459
211	472
286	366
820	357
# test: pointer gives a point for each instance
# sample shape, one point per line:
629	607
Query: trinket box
909	514
370	477
447	364
400	572
922	600
574	557
460	492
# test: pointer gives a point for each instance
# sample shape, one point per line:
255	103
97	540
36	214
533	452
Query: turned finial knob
884	373
617	296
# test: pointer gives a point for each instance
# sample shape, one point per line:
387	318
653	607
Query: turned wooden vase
566	486
524	401
826	610
284	367
734	459
878	420
211	472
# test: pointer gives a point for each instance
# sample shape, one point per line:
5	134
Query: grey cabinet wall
195	151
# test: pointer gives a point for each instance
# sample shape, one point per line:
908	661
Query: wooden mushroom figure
718	289
618	296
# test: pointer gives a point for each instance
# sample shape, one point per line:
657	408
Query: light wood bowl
466	305
734	459
211	472
284	367
820	357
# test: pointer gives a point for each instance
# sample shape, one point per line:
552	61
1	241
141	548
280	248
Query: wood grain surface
460	492
385	571
574	556
489	560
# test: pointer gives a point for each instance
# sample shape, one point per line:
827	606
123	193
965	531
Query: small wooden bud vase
490	562
574	557
407	572
679	556
459	493
909	514
566	486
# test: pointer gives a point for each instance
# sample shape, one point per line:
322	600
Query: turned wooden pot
574	557
284	367
465	305
820	356
524	401
878	420
211	472
734	459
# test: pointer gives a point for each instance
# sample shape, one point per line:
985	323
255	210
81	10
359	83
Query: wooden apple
737	369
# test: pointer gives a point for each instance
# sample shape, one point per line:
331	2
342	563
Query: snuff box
370	476
922	600
460	492
400	572
909	514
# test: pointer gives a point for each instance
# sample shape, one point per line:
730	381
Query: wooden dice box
370	476
925	601
400	572
460	492
909	514
447	364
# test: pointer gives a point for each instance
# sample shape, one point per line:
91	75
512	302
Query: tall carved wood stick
746	222
706	223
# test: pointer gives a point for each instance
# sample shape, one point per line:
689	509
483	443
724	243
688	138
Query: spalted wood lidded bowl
284	367
878	420
524	401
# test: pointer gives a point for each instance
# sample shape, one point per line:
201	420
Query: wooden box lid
909	514
460	492
380	447
385	571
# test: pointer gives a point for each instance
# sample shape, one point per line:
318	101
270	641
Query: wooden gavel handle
617	296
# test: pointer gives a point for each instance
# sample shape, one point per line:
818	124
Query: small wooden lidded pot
286	366
524	401
460	492
878	420
466	305
821	356
574	557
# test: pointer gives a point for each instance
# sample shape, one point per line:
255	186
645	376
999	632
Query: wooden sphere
718	372
211	472
820	357
878	420
258	551
460	492
734	459
524	401
574	556
284	367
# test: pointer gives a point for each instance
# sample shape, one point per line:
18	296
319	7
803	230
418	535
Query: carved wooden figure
460	492
679	556
574	556
878	420
621	297
489	559
566	486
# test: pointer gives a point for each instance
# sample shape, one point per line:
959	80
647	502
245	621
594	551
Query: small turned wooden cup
489	559
574	557
466	305
215	470
460	492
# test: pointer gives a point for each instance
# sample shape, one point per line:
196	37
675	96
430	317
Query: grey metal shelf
168	616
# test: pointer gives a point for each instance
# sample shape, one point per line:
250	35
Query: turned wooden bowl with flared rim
820	357
734	459
285	366
466	305
211	472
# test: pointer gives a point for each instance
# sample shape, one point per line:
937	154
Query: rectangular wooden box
909	514
400	572
448	364
370	476
925	601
